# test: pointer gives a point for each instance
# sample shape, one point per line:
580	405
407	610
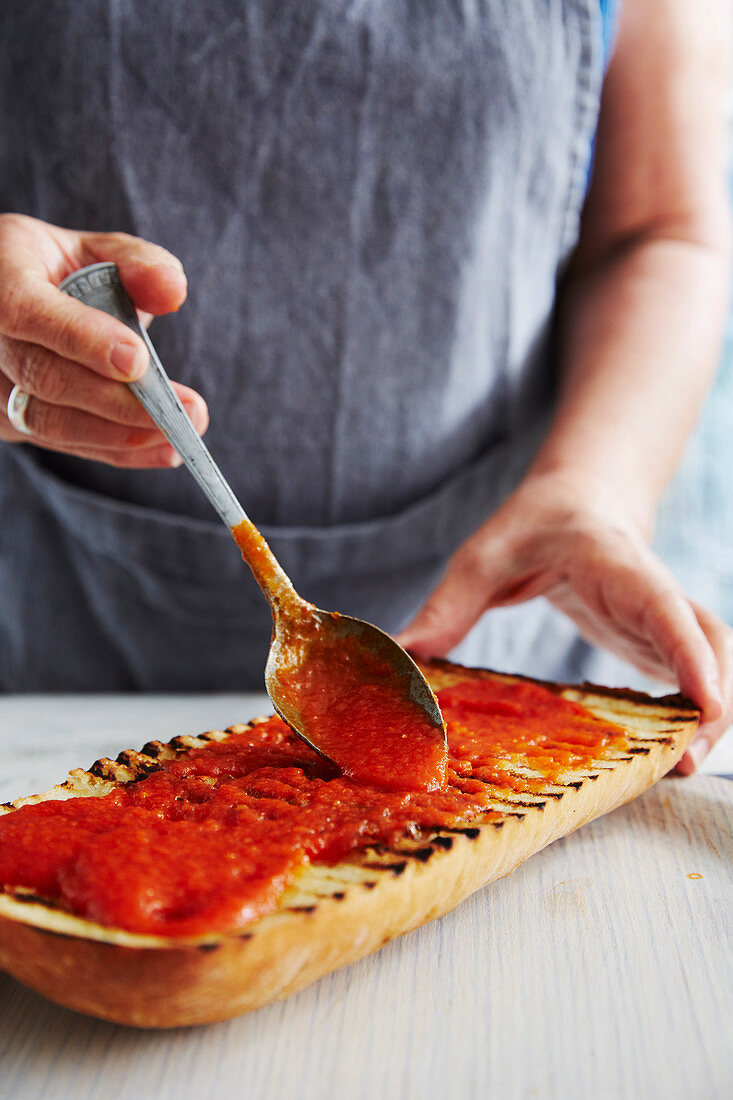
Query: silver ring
17	408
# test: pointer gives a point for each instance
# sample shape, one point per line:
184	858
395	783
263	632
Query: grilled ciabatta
331	914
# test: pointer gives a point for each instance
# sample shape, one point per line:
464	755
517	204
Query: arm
645	299
641	316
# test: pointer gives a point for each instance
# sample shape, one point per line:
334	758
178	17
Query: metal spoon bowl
406	673
298	626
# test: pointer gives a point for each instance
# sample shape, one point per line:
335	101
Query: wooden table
601	968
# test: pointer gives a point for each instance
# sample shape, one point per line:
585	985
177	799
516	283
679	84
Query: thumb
152	276
471	580
494	568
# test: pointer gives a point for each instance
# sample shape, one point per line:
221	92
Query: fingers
195	406
673	626
639	612
160	456
153	277
623	597
34	257
150	452
36	312
133	442
57	381
484	573
449	612
57	425
720	638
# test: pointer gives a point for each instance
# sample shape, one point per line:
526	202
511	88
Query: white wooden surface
600	968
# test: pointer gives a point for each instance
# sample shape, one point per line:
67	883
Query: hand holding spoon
344	686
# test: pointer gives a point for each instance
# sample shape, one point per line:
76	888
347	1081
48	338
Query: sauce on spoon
352	701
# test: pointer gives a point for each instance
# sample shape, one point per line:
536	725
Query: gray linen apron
372	202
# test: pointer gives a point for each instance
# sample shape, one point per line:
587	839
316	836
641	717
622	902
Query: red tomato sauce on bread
207	842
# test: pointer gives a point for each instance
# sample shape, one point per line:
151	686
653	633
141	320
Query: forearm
639	339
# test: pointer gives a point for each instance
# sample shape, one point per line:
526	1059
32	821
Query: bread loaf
329	915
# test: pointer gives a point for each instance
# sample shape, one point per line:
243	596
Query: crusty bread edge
154	982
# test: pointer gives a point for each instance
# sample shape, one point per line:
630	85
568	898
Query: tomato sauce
209	841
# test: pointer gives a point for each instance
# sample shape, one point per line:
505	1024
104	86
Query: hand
74	360
576	542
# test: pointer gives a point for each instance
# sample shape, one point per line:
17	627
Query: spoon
343	685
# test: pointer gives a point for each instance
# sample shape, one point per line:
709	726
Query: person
458	276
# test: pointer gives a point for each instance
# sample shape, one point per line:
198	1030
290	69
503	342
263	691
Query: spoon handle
100	286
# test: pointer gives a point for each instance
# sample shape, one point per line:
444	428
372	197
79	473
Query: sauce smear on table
207	842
